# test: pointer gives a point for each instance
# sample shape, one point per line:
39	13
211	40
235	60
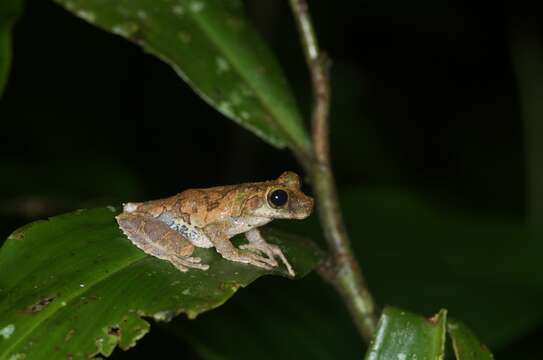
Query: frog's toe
262	261
259	264
276	251
259	249
271	251
179	267
189	262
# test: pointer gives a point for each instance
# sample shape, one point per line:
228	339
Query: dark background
424	99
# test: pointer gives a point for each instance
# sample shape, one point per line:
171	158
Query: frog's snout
305	207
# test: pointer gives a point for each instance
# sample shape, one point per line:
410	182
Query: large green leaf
402	335
9	12
75	286
213	47
276	320
466	345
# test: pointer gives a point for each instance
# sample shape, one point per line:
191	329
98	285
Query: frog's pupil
278	198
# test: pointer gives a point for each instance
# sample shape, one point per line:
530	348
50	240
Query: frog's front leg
157	239
259	244
222	244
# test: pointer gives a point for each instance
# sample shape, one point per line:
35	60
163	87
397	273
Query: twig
342	270
526	47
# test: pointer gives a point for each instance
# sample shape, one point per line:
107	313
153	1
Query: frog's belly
195	235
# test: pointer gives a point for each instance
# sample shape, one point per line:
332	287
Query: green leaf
465	343
213	47
403	335
422	255
9	12
276	320
74	286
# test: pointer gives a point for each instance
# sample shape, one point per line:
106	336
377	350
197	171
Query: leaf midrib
242	75
217	44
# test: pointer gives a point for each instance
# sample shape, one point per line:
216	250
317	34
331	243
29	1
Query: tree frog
170	228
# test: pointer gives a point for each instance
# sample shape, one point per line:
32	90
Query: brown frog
170	228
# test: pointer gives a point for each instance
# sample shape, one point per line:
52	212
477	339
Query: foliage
211	45
74	286
74	280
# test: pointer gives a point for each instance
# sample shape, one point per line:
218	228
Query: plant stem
526	48
342	269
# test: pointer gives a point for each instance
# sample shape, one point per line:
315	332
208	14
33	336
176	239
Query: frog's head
281	199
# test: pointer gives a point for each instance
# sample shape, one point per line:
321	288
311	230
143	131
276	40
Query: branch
526	48
342	269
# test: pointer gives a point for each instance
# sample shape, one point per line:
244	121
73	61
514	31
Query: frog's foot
184	263
271	251
249	257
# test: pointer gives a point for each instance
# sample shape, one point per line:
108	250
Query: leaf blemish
196	6
6	331
86	15
222	65
114	331
184	36
163	315
434	320
17	235
69	5
69	335
178	10
142	14
40	305
126	30
226	108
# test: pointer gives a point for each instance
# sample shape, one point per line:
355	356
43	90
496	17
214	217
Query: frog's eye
278	198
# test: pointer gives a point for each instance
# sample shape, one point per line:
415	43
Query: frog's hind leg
159	240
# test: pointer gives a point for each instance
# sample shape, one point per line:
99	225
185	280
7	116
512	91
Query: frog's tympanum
170	228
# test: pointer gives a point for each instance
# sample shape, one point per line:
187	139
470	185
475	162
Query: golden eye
278	198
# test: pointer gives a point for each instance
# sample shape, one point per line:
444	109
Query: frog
171	228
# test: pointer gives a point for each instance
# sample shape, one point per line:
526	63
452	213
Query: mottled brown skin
170	228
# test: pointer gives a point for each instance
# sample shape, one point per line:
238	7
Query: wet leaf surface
212	46
403	335
75	286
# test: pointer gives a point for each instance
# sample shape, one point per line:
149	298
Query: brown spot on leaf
39	306
114	331
18	235
69	335
435	319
